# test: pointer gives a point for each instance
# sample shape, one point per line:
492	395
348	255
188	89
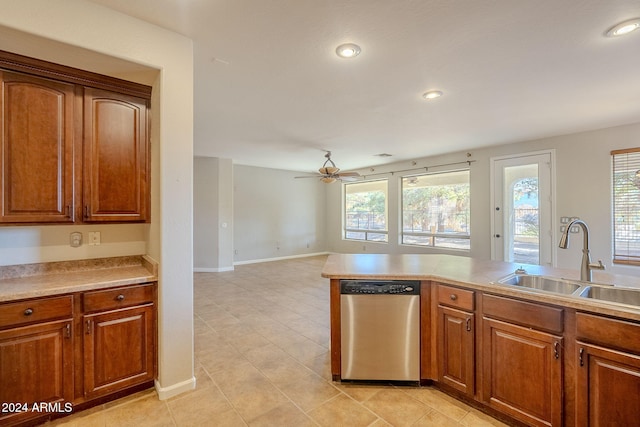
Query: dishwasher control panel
402	287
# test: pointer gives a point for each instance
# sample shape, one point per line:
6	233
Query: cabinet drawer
36	310
613	333
455	297
110	299
523	313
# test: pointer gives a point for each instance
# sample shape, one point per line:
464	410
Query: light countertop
476	274
45	279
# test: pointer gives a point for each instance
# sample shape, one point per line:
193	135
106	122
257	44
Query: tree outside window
366	211
435	210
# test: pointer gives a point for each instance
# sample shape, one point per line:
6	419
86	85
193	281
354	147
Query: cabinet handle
556	349
68	211
468	324
581	353
88	327
86	211
68	330
120	298
28	312
453	297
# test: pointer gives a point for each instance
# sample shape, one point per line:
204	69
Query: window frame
624	162
434	236
366	231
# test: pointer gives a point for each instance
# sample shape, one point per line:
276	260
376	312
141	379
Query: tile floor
262	359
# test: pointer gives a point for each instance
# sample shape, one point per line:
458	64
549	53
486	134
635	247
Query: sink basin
541	283
611	294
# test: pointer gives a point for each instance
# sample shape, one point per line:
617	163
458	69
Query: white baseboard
175	389
255	261
212	270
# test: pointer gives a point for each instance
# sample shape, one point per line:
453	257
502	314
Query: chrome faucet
587	265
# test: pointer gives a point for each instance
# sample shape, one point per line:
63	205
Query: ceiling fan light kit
329	173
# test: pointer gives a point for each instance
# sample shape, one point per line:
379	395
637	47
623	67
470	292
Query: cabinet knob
120	297
28	312
453	297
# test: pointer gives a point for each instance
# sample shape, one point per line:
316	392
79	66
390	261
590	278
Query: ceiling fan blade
310	176
347	178
349	174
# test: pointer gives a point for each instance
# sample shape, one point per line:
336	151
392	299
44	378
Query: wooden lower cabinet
61	351
522	360
456	355
118	350
455	338
608	392
523	373
36	371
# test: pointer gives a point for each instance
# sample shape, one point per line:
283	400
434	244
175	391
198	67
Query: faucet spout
586	266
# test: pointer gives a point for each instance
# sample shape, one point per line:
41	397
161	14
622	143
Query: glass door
522	209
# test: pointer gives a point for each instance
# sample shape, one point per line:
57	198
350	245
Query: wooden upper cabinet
116	157
74	147
37	149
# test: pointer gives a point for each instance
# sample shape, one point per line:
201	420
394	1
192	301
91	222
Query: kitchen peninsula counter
54	278
525	356
477	274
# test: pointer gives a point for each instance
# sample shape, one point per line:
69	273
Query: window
626	206
435	210
366	211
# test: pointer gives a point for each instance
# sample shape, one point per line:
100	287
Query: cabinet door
608	387
116	164
119	350
37	149
522	373
36	367
456	359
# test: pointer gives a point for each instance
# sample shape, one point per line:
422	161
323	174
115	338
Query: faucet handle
598	266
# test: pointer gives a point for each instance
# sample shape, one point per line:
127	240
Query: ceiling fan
329	173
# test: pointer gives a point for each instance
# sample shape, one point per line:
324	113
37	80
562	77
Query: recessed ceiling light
624	28
348	50
432	94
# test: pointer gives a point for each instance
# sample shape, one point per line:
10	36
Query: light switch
94	238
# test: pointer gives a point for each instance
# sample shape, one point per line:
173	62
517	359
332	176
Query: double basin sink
593	291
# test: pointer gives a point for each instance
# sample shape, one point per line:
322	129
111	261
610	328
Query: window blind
626	206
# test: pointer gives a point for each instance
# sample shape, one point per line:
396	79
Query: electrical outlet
75	239
94	238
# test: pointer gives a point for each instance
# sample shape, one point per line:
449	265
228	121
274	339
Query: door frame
552	190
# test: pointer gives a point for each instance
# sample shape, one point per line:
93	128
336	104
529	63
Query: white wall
276	215
213	214
583	189
83	34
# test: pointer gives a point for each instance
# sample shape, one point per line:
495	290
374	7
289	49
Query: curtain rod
425	168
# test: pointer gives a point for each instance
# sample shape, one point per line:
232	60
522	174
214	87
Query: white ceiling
270	90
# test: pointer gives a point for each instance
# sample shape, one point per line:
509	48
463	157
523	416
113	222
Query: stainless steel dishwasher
380	330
